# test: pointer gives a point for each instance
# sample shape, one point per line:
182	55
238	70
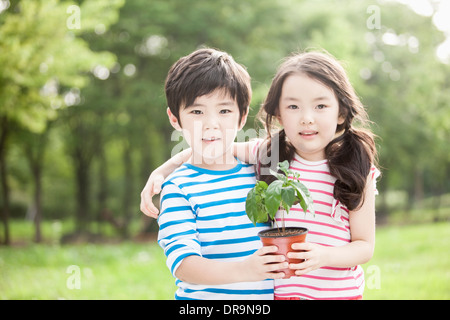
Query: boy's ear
173	120
243	119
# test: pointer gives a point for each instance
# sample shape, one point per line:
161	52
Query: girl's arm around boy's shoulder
247	151
244	151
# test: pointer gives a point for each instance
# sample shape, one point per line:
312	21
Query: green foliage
39	55
263	201
102	88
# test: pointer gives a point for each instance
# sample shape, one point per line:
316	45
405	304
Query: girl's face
309	113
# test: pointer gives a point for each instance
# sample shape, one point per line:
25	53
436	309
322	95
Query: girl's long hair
350	155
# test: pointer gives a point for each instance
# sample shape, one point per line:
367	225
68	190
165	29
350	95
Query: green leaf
304	196
284	166
261	186
277	175
288	197
273	197
255	211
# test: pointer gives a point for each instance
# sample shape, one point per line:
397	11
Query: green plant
263	201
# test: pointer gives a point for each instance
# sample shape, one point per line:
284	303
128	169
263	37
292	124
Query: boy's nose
211	122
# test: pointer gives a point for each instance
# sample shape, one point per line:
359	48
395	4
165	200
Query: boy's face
210	126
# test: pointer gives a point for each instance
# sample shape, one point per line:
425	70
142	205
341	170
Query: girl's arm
156	179
246	151
358	251
259	266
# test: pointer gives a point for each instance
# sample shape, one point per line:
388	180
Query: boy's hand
262	265
152	187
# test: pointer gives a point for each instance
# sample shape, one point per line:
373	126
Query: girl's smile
308	134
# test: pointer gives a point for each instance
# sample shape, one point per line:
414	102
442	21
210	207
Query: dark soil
287	232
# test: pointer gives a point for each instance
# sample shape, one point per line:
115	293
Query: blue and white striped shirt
203	213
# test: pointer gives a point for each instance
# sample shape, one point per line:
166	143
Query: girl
313	101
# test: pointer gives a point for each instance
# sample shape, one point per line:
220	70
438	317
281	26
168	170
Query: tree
41	54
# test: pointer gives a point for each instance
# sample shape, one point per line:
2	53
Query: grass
117	271
410	262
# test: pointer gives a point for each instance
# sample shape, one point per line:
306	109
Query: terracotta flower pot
272	237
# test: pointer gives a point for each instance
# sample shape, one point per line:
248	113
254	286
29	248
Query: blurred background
83	123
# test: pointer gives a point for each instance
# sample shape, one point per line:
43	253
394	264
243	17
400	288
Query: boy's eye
223	111
196	112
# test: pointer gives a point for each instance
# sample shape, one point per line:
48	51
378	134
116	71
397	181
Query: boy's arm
247	151
178	236
259	266
156	179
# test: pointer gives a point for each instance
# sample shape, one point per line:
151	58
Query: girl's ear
342	116
173	120
278	117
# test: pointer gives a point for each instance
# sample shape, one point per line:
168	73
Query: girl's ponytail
350	158
276	148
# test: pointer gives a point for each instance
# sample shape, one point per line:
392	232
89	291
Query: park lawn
410	262
116	271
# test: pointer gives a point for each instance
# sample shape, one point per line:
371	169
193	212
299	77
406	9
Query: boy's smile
210	126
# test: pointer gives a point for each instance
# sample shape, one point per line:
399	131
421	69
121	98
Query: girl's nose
307	118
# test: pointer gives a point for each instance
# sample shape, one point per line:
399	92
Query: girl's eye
292	106
321	106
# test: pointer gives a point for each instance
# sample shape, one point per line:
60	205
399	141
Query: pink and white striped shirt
329	227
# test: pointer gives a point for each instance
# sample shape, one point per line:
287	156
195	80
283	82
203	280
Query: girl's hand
156	179
152	187
314	256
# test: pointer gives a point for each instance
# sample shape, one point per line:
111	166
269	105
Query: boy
212	248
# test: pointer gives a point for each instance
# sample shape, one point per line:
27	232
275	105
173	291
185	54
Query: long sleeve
178	234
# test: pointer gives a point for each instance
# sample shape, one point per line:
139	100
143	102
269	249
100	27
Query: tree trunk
37	173
4	180
129	195
35	145
102	194
83	189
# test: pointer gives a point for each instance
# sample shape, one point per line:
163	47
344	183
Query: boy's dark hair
201	73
